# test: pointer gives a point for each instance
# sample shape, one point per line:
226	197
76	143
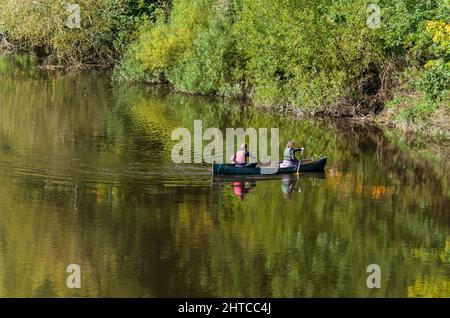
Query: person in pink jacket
239	159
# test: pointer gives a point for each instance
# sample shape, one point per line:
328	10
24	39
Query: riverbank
404	117
388	64
433	128
434	125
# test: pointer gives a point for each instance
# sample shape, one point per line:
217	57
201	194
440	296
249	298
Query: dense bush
195	49
424	98
309	54
312	55
165	42
107	26
213	63
435	80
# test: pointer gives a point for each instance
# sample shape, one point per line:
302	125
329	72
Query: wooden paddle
300	161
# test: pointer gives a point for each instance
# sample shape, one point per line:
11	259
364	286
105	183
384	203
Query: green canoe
307	165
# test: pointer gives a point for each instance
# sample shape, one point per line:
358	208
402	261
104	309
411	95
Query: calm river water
86	178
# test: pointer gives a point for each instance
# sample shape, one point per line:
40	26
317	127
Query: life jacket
287	154
240	157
